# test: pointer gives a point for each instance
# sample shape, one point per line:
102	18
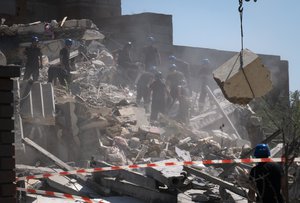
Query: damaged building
95	122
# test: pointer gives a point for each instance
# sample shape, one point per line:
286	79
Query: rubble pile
98	124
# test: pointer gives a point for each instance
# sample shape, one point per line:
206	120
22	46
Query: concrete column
7	149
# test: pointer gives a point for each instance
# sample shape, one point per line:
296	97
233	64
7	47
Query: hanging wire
242	45
242	32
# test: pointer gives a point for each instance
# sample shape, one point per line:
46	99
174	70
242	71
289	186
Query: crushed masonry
95	122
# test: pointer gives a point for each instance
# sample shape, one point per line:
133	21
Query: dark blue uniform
267	178
32	66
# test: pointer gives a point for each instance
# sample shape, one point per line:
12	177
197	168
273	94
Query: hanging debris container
241	84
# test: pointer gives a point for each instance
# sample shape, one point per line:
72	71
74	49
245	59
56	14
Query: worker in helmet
183	67
33	60
64	55
184	103
159	96
124	58
150	55
128	68
174	79
143	87
62	72
204	72
267	179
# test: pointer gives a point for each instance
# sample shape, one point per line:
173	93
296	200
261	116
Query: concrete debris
95	122
242	84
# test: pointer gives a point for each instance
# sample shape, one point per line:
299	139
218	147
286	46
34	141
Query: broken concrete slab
92	35
215	180
33	169
127	115
69	185
83	180
183	154
99	122
241	84
277	151
147	195
130	176
151	129
172	177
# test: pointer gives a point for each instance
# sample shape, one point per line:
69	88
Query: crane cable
242	44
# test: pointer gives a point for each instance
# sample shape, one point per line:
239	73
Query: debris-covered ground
98	124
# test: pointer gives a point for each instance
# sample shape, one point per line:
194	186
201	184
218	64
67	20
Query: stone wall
26	11
90	9
136	28
41	10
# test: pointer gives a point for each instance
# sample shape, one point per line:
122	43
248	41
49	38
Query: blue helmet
262	151
68	42
172	57
153	69
34	39
205	62
128	44
158	75
172	67
151	39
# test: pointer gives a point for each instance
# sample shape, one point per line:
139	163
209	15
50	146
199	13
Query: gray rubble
97	117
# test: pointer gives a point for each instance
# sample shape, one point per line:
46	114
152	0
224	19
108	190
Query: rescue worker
150	54
268	182
159	95
128	68
143	88
183	67
64	55
203	80
62	72
124	57
33	60
183	98
174	79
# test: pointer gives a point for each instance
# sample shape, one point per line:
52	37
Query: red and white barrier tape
153	165
61	195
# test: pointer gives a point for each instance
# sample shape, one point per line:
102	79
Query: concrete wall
136	28
90	9
8	7
41	10
25	11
